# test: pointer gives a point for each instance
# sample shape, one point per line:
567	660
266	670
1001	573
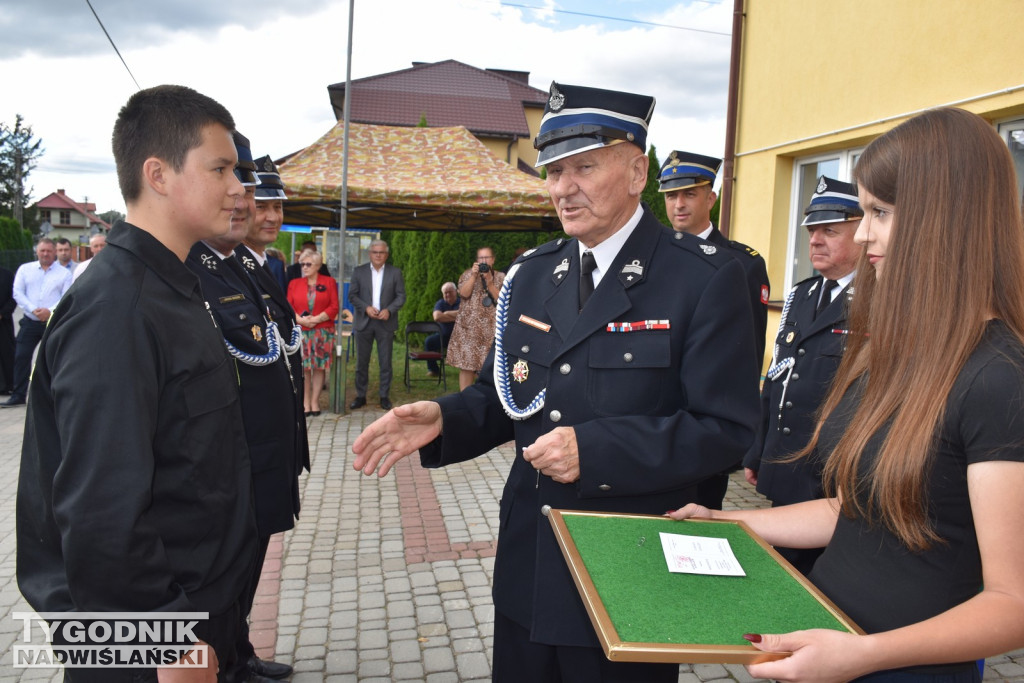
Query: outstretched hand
691	511
399	433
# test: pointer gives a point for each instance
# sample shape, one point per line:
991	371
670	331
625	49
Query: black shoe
274	670
359	402
13	401
315	413
385	403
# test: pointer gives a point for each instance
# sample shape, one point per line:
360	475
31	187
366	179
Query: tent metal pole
339	370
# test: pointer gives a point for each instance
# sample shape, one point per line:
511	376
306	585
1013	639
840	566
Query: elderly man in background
96	244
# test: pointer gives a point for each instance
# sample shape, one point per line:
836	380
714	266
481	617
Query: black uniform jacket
273	419
134	493
788	413
757	285
654	411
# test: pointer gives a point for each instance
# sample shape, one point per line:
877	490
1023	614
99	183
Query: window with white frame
1013	133
838	165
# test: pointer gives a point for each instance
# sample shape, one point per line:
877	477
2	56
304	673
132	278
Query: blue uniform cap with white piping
578	119
244	169
833	201
270	184
686	169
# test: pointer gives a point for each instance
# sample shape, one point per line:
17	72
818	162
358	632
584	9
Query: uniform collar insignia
708	249
209	261
249	262
558	274
632	272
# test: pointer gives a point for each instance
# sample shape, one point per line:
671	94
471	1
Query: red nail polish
752	637
670	512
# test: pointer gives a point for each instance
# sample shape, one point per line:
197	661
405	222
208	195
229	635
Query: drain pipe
725	209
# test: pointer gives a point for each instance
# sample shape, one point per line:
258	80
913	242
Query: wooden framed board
642	612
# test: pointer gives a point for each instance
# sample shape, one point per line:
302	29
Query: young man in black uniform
686	180
808	349
134	492
623	367
275	428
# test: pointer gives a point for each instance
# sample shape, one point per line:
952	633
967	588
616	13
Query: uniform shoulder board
546	248
739	246
709	251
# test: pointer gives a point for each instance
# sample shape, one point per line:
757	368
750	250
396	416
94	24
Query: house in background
76	221
820	80
499	107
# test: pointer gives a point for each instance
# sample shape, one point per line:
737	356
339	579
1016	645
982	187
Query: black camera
484	268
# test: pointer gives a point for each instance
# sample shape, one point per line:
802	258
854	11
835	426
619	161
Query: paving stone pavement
381	579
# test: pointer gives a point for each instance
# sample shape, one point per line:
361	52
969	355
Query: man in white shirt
38	286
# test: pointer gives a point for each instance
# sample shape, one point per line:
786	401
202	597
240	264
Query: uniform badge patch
789	337
561	268
520	371
708	249
765	291
257	333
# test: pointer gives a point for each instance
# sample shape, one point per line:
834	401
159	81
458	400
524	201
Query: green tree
19	154
13	236
111	216
650	195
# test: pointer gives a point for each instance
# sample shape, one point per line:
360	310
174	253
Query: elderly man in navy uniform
275	428
808	348
686	179
623	367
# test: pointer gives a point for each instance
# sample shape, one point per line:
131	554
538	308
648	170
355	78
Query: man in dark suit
808	348
7	306
686	179
376	292
623	367
275	428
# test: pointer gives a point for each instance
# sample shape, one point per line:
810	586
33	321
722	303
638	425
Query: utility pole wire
112	44
628	21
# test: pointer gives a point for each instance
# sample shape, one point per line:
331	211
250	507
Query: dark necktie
826	296
587	266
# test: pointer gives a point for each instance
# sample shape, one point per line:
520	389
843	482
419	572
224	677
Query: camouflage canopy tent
402	178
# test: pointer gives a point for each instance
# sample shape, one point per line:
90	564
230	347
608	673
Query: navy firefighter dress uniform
656	374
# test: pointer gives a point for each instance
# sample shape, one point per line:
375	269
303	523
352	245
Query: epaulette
739	246
546	248
710	252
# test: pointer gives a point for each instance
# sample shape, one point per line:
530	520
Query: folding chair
418	332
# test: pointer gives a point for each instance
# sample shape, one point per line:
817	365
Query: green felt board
649	604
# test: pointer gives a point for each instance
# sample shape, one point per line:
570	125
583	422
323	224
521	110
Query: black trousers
518	659
7	354
243	648
29	333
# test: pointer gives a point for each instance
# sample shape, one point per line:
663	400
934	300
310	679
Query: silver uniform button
545	510
605	487
795	376
789	404
555	415
628	357
801	352
786	430
565	368
525	349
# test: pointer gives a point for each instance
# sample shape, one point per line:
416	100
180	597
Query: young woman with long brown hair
923	429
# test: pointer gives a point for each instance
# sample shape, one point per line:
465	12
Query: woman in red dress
316	296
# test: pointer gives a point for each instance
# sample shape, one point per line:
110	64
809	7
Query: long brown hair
955	258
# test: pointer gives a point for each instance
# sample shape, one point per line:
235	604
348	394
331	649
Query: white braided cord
502	377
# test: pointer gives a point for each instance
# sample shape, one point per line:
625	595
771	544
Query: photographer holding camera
474	328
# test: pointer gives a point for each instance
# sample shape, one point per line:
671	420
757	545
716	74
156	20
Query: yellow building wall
819	76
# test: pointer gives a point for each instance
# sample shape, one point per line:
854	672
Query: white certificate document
700	555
